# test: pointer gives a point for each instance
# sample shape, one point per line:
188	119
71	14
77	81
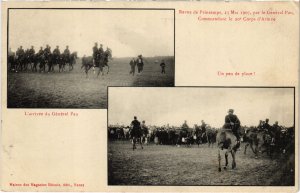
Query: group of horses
89	62
260	141
40	62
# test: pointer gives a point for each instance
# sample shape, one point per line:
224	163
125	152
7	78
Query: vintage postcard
150	96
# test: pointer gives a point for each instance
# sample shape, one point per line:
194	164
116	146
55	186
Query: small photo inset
201	136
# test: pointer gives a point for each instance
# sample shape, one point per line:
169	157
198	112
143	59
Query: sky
161	106
127	32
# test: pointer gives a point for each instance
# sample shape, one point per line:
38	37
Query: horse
73	58
89	62
136	137
259	142
211	136
227	140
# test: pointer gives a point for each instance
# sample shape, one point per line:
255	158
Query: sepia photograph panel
201	136
66	58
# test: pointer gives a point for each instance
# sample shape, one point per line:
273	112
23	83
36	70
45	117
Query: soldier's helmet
67	46
32	47
101	45
135	117
267	120
41	47
230	111
57	46
143	121
21	46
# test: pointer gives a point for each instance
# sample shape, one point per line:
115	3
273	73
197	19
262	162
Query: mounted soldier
100	55
56	53
232	122
136	132
95	54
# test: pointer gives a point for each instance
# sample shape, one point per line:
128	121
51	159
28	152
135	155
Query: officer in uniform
67	51
232	122
20	52
47	52
66	54
41	52
56	53
267	126
31	51
101	51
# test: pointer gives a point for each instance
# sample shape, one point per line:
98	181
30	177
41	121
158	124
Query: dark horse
227	140
259	142
89	63
67	60
136	135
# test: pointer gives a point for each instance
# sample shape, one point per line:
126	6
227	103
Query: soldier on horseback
136	132
95	53
232	122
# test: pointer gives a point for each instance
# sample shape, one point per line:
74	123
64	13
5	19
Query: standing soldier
95	53
232	122
132	65
163	66
56	51
140	63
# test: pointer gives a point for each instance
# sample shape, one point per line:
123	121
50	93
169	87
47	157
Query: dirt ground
172	165
74	90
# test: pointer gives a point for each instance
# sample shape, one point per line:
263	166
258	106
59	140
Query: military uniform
232	122
47	52
95	52
20	53
136	128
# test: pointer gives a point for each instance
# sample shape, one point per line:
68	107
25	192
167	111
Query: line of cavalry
264	138
45	60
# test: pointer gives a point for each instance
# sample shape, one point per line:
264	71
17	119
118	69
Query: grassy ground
74	90
171	165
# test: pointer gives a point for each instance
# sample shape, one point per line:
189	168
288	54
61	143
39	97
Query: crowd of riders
280	136
23	59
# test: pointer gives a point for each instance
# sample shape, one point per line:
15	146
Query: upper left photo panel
66	58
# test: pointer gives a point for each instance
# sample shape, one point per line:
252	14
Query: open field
171	165
73	90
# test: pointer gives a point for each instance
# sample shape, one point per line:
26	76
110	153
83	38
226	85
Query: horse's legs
246	148
141	142
233	159
226	160
133	143
219	159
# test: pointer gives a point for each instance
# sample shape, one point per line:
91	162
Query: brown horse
227	140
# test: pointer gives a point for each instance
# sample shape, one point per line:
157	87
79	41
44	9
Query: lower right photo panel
201	136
